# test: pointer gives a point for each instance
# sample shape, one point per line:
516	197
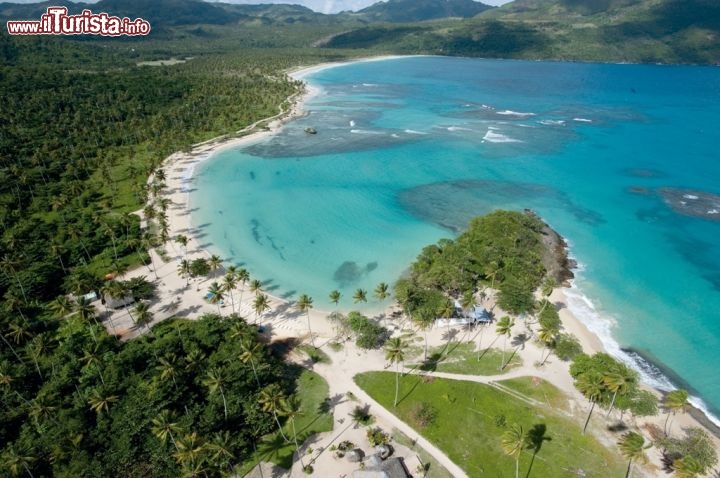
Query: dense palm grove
82	128
187	399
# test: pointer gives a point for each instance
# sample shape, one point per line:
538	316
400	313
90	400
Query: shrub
424	414
368	333
567	347
377	437
361	415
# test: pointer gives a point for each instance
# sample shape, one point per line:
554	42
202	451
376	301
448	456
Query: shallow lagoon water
409	149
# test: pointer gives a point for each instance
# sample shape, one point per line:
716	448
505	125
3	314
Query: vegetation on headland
502	250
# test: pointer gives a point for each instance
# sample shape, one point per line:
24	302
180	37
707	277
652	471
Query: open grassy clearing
463	358
469	419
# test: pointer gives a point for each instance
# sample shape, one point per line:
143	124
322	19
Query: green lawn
314	418
538	389
470	419
314	354
462	358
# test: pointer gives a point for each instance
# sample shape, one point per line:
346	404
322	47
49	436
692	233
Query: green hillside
648	31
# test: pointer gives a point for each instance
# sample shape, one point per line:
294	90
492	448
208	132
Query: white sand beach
177	298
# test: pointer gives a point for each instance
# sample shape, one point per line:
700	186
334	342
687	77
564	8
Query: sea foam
493	137
601	326
518	114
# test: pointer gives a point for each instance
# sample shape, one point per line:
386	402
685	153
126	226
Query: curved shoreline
180	169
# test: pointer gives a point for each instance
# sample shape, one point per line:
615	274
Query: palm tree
183	241
271	399
242	276
424	318
164	426
335	297
41	410
184	270
100	402
395	353
143	316
147	242
504	329
61	306
260	305
191	447
591	385
18	461
291	409
228	285
381	291
491	271
194	360
304	304
513	441
84	309
675	401
168	368
9	266
632	447
216	295
360	295
221	447
547	336
215	382
251	351
687	467
214	262
93	357
255	287
618	382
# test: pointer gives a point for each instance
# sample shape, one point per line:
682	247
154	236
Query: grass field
462	358
470	419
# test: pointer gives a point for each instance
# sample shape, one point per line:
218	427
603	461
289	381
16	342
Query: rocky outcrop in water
692	202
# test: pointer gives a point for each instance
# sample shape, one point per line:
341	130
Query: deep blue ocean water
409	149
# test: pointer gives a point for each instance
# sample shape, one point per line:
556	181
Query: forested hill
645	31
418	10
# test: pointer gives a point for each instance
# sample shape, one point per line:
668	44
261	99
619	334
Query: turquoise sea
620	159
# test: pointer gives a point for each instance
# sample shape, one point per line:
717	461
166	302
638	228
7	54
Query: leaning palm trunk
397	383
297	447
587	420
280	427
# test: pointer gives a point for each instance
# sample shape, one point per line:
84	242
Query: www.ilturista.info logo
57	22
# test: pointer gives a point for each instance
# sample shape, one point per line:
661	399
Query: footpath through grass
467	420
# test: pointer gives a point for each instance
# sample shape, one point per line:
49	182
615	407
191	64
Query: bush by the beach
695	446
611	384
368	333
